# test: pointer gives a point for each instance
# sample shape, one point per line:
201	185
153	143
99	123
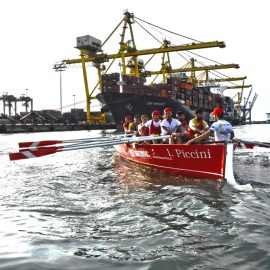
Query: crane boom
238	86
104	57
247	100
188	69
225	79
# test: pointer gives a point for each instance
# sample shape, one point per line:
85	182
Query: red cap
217	111
155	113
168	110
128	117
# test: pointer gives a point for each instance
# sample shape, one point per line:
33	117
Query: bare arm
193	127
201	137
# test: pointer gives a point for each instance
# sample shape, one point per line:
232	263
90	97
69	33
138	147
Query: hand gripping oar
44	151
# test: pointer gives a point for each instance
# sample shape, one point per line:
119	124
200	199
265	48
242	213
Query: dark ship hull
122	104
132	97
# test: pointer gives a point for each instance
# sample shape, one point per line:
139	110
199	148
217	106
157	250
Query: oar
52	150
251	144
36	144
79	142
69	145
240	143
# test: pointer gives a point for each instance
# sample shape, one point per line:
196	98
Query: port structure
91	51
59	67
10	101
246	106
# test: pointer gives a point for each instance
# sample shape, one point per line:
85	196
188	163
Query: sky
34	35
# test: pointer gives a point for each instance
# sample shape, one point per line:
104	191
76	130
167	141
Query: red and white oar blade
38	144
251	145
33	153
245	145
55	148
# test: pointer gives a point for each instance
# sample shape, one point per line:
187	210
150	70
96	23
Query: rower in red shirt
154	125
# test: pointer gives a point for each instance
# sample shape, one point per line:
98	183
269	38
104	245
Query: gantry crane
247	108
229	79
128	53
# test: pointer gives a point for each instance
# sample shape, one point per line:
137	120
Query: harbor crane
91	51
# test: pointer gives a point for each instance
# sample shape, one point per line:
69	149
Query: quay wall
5	128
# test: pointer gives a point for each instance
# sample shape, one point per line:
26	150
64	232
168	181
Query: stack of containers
201	90
186	93
210	98
195	98
206	93
110	82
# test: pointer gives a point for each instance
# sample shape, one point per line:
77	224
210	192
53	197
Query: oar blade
245	145
32	153
51	148
38	144
252	144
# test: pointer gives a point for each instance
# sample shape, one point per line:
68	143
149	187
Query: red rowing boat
212	161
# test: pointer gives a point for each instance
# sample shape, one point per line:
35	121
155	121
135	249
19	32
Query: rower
128	119
221	128
181	117
153	125
142	129
171	126
197	125
133	126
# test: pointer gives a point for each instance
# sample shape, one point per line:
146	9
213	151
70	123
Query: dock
22	128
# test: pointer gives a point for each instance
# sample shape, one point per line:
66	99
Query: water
89	209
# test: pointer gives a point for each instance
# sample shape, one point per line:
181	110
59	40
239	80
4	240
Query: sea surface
89	209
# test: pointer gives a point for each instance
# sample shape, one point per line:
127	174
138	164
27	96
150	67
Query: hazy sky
37	33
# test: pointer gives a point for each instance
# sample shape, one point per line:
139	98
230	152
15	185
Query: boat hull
199	161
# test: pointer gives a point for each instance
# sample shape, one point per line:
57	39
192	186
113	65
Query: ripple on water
92	209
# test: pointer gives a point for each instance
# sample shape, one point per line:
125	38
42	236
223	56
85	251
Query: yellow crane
192	69
239	86
239	95
230	79
128	50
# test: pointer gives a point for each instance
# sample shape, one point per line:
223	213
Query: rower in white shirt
222	129
171	126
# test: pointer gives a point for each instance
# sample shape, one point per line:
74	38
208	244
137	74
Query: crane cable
181	44
219	76
212	72
157	39
168	30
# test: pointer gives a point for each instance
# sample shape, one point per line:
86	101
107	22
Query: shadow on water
134	176
156	205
